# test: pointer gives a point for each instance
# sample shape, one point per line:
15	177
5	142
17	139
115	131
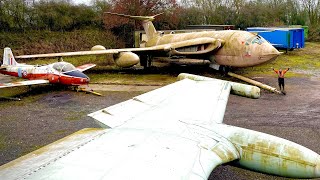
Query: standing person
281	73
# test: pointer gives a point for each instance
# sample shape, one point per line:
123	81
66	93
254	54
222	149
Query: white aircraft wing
211	44
157	135
23	83
85	67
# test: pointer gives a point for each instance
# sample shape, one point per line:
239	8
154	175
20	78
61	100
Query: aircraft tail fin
8	58
146	23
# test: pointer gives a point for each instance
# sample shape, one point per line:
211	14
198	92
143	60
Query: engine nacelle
126	59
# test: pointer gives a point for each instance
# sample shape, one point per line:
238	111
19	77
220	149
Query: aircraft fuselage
55	73
239	49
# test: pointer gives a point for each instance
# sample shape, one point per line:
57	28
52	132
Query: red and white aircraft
55	73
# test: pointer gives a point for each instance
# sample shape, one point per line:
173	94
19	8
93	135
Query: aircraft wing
85	67
23	83
156	135
201	46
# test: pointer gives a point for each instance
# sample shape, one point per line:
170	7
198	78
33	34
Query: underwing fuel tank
273	155
126	59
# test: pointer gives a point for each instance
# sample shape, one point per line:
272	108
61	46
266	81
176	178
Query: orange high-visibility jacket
281	73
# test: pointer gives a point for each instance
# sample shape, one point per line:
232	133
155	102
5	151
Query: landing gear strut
145	61
223	69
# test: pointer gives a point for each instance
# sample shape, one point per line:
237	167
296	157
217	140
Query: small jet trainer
232	48
55	73
174	132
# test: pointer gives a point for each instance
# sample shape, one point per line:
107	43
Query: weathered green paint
269	154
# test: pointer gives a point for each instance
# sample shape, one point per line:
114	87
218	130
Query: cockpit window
63	67
258	39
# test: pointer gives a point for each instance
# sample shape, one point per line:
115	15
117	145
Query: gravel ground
44	116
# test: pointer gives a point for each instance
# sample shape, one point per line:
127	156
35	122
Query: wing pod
270	154
126	59
98	47
195	46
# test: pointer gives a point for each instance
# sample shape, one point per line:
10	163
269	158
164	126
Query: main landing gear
145	61
223	69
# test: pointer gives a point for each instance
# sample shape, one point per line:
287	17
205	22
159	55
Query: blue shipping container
282	38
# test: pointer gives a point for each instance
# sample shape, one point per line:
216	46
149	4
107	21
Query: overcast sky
87	2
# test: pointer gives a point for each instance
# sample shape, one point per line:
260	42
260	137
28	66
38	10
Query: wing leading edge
171	48
162	134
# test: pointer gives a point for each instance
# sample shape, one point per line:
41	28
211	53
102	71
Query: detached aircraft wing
23	83
152	136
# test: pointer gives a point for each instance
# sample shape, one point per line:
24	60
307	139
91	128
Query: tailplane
8	58
146	23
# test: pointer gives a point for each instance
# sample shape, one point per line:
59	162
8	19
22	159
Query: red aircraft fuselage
56	73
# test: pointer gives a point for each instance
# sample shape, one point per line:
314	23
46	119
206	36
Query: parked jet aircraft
175	132
227	48
56	73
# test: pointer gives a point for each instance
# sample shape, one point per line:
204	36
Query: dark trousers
281	83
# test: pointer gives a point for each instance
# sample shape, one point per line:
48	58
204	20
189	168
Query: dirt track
41	118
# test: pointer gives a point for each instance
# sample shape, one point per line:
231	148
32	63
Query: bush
37	42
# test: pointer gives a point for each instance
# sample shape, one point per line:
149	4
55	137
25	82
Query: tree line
62	15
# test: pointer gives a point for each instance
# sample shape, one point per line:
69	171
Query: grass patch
75	115
132	79
31	149
60	132
2	142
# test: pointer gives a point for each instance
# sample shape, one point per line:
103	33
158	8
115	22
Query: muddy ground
47	114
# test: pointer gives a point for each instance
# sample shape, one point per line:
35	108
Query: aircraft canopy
63	67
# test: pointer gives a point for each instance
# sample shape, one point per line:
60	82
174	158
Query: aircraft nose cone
269	53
